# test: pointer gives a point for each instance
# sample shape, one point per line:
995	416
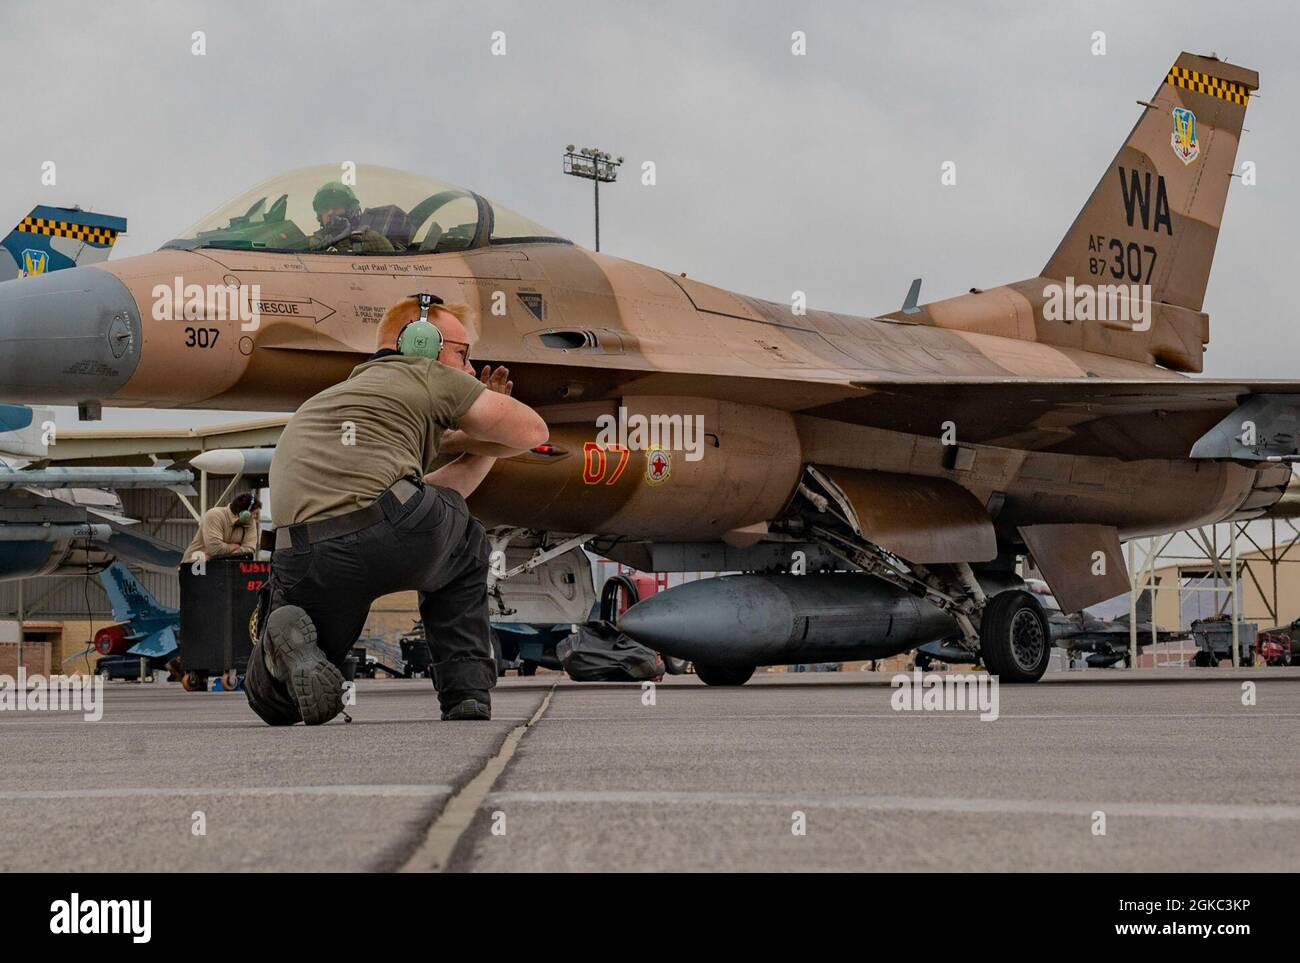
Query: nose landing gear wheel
1015	640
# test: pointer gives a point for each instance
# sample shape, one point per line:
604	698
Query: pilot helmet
335	195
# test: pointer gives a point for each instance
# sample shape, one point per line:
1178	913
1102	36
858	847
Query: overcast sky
776	173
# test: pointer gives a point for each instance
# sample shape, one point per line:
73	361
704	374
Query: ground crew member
227	530
360	514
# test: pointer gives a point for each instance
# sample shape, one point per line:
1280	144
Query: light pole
596	166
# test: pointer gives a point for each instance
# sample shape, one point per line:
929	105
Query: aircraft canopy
377	211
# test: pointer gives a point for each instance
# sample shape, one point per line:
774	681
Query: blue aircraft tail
54	238
130	599
23	431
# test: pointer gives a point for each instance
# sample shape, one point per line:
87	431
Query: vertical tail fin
1144	607
24	430
55	238
128	597
1154	218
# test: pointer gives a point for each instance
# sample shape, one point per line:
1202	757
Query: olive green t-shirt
344	446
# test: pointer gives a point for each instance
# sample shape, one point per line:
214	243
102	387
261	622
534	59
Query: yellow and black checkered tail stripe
1206	84
100	236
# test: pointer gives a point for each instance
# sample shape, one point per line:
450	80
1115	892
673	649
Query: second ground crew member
360	515
227	530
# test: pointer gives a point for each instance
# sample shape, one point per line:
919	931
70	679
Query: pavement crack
445	833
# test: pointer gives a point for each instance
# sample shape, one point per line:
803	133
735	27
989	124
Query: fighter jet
145	634
148	628
874	481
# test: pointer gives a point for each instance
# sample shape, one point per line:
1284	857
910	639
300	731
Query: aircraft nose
67	337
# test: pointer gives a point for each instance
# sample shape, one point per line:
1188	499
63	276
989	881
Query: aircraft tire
1015	639
723	675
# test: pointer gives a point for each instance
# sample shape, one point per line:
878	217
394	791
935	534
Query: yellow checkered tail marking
1206	84
99	236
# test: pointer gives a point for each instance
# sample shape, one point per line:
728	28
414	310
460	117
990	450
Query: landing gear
673	665
723	675
1015	639
1008	631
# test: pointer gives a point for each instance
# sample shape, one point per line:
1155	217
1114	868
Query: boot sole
467	711
294	658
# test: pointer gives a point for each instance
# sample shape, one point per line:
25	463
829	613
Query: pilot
227	530
362	512
339	212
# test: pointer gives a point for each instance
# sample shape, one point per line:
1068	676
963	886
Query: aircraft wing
131	544
1126	419
160	643
92	477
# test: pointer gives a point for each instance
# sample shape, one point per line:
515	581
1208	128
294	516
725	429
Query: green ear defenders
421	337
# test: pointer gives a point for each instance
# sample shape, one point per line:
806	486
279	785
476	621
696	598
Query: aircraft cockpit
366	210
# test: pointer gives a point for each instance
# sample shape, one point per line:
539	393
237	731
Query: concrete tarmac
1183	774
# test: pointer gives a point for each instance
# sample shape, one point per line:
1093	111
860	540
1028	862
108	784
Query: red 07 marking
595	463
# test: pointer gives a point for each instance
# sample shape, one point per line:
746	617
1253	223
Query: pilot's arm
367	242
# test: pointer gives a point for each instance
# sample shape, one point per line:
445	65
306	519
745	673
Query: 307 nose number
201	337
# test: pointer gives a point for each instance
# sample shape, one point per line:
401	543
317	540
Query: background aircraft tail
24	431
55	238
130	599
1154	217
